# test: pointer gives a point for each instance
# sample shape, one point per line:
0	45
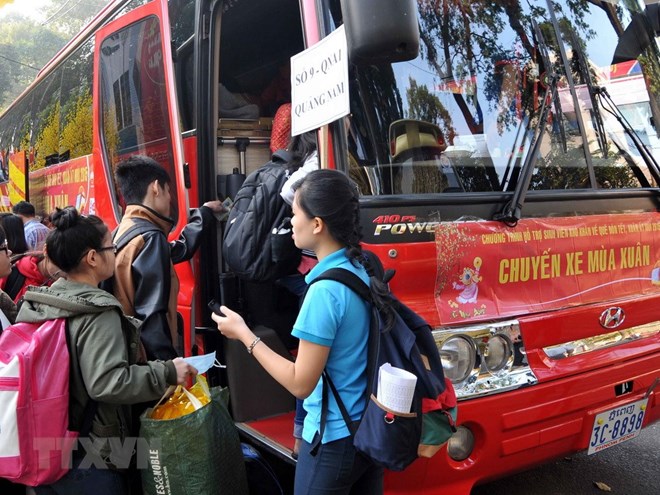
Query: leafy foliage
76	137
26	45
48	141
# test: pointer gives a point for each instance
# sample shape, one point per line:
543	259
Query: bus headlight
460	444
458	358
484	358
498	353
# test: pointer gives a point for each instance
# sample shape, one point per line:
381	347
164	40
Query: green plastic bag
195	454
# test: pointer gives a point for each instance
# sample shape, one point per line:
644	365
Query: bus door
242	59
135	112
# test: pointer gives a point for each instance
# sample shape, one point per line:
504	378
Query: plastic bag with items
183	401
193	444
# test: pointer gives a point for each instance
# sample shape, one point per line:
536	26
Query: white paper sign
319	84
396	388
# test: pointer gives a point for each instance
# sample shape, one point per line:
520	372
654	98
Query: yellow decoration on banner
16	185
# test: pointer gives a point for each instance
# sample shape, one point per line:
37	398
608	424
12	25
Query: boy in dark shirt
145	282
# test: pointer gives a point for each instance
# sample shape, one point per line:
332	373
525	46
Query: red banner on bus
488	270
63	185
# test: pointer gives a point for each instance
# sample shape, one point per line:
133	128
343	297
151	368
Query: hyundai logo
612	317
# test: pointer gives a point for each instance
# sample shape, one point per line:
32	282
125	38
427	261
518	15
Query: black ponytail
380	291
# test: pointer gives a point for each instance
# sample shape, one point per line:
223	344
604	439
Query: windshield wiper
644	152
599	126
512	212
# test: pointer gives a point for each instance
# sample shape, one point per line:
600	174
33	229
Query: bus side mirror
381	31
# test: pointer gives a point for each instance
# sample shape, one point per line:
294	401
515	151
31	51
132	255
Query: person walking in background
333	328
145	282
35	231
15	232
103	350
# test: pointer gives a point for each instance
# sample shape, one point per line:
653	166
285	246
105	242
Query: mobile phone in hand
215	307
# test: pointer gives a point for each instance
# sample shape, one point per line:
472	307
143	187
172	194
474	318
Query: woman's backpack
35	440
257	243
391	439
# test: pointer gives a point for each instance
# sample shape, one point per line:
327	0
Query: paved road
632	468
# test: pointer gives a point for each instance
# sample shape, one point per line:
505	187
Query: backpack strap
347	278
14	283
282	156
91	406
357	285
139	227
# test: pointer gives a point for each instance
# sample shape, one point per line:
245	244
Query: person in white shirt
35	231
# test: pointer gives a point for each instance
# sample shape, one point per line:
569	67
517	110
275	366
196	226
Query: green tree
424	105
48	140
26	45
32	46
69	17
76	134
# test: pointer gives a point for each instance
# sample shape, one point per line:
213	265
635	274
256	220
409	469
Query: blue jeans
337	469
299	419
87	481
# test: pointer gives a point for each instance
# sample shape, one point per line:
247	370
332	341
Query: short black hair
24	208
134	175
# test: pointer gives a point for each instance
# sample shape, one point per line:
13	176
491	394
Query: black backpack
257	243
392	439
14	282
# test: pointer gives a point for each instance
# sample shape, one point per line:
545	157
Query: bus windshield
500	87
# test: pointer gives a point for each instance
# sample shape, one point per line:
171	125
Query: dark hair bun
65	218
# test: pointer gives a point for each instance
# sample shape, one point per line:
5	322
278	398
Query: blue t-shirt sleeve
320	315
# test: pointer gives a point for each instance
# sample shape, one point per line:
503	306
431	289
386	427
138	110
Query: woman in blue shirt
333	328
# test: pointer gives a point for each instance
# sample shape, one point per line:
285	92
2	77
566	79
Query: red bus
507	157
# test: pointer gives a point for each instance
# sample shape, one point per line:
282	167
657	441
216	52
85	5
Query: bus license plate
616	426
